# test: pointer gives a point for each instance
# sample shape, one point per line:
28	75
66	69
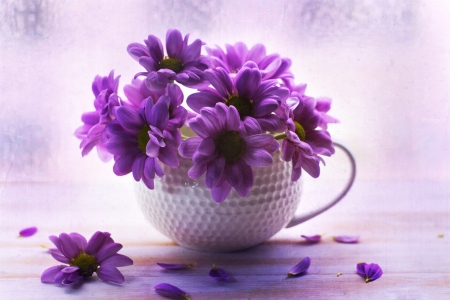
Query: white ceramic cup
182	208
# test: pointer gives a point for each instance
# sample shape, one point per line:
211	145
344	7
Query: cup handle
300	218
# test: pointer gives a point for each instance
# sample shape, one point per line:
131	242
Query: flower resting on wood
218	273
371	272
83	258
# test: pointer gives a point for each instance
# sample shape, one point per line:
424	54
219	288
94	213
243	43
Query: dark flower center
173	64
143	138
243	105
300	131
86	263
230	145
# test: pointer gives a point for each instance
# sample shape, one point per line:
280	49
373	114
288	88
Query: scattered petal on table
218	273
175	266
370	271
28	232
301	267
170	291
312	238
347	239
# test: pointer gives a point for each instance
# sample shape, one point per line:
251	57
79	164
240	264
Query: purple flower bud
370	271
312	238
301	267
170	291
218	273
175	266
346	239
28	232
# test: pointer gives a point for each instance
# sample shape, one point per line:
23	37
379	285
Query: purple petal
189	146
138	167
301	267
168	290
265	107
117	260
312	238
360	268
233	118
95	243
247	82
56	254
218	273
220	80
168	156
247	180
79	239
220	193
155	47
108	251
174	43
197	170
48	276
205	98
259	140
129	118
124	164
346	239
28	232
160	114
252	126
70	269
207	147
214	172
191	52
110	274
175	266
373	272
69	245
257	158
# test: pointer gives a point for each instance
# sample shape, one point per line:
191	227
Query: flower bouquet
244	107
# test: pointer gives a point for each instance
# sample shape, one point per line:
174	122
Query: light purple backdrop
384	63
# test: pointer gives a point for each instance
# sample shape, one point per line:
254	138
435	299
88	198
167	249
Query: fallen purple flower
28	232
370	271
83	258
346	239
170	291
312	238
175	266
301	267
218	273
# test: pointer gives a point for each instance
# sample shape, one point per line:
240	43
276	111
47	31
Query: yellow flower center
243	105
230	145
173	64
86	263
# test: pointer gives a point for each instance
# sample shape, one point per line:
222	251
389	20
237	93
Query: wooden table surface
403	226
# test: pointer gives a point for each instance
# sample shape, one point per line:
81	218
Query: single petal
59	256
197	170
220	80
168	156
373	272
191	52
160	114
175	266
110	274
48	276
138	167
257	158
214	172
312	238
247	82
70	269
233	119
346	239
69	245
259	140
220	192
80	240
27	232
218	273
301	267
129	118
174	43
207	147
360	268
170	291
188	147
95	243
124	164
107	251
204	98
247	180
265	107
117	260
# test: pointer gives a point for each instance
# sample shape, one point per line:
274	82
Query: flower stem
280	136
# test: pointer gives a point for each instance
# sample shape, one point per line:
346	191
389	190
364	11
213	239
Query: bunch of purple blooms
245	107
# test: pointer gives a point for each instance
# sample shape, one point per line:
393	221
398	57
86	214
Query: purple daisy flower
106	101
303	142
251	96
271	66
138	139
84	258
226	149
183	62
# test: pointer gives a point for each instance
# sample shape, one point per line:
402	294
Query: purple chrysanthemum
303	142
226	149
84	258
106	101
271	66
137	91
183	62
138	139
251	96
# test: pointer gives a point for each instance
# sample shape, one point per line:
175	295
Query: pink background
384	63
